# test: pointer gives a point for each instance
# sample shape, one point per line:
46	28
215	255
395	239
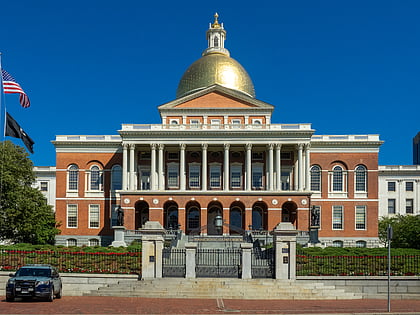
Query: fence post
190	250
152	246
246	260
285	249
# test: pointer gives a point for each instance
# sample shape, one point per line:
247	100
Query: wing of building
217	155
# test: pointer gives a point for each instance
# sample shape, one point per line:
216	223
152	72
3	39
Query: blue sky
347	67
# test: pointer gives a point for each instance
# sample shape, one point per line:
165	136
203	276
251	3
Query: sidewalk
121	305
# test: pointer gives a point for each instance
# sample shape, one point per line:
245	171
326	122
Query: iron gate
218	263
262	263
173	262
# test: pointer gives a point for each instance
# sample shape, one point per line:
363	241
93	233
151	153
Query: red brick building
217	153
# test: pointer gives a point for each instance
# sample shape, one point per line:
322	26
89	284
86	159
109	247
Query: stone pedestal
246	260
119	232
152	245
313	235
190	250
285	247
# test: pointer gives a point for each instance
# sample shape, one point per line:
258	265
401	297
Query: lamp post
218	222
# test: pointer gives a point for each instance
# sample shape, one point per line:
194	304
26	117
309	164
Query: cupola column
226	166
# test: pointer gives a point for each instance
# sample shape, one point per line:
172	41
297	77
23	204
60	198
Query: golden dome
215	68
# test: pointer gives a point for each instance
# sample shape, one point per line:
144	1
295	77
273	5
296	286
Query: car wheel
10	298
51	296
58	295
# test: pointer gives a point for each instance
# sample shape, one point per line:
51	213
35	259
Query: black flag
14	130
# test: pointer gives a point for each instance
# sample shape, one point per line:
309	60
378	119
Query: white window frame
360	179
236	123
43	186
94	242
195	123
319	184
337	209
173	168
392	204
409	203
257	168
71	240
90	174
236	168
73	183
360	210
334	191
218	168
72	208
94	211
174	121
194	182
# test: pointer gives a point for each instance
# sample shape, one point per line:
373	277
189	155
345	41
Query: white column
270	147
125	170
204	147
226	166
131	180
153	180
307	166
300	167
278	166
161	179
182	179
248	162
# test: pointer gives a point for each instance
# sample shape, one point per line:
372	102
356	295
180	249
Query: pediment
216	97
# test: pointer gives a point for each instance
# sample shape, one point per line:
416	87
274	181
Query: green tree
25	215
406	230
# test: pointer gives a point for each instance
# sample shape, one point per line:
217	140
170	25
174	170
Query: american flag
11	86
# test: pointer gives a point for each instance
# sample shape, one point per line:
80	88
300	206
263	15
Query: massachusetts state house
217	154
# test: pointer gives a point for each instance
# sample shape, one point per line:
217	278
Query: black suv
34	281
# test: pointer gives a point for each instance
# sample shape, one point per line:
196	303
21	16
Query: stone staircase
212	288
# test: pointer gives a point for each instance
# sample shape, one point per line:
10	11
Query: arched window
337	244
361	178
93	242
360	243
337	184
216	41
71	242
316	178
95	178
73	177
116	177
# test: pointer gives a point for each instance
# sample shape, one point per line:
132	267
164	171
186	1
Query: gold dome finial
216	22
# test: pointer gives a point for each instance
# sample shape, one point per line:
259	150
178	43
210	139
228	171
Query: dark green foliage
406	231
25	215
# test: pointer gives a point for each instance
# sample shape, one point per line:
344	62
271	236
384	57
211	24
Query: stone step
226	288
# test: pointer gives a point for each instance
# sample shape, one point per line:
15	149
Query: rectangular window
194	176
215	123
72	216
360	217
236	176
73	179
391	186
409	206
173	176
337	218
215	176
43	186
257	176
409	186
391	206
194	123
236	123
93	216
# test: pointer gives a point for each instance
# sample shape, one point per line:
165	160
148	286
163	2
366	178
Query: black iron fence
173	262
84	262
218	263
403	265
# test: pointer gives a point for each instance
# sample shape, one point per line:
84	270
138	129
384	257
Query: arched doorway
214	209
170	215
259	216
289	212
142	214
192	216
237	218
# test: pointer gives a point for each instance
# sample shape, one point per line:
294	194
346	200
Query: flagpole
2	100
